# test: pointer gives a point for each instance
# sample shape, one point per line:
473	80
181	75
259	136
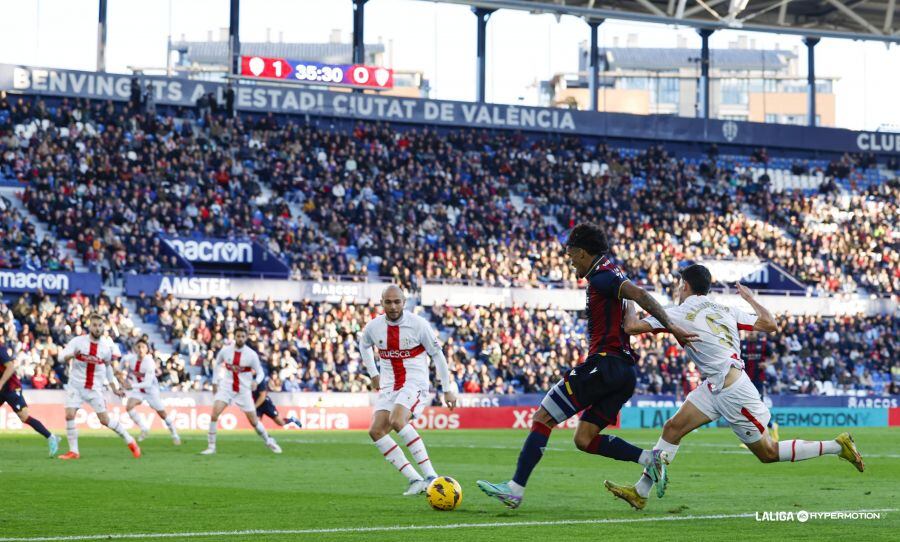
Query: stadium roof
216	52
857	19
657	59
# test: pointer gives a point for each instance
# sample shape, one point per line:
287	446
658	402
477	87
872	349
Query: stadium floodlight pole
101	38
359	42
705	33
482	14
811	79
594	63
359	21
234	39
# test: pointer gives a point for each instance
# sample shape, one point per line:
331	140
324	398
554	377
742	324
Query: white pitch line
395	528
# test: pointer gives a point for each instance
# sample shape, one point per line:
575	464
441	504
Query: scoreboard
298	71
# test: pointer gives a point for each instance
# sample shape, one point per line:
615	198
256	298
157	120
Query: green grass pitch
338	481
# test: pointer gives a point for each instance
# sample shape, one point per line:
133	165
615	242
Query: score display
347	75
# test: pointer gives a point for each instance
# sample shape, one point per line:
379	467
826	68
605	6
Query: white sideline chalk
395	528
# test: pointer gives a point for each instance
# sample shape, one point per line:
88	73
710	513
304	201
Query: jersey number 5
719	330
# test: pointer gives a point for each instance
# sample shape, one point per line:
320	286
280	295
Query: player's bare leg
768	450
510	493
71	435
119	430
261	431
170	424
688	418
52	440
379	432
400	422
129	407
218	407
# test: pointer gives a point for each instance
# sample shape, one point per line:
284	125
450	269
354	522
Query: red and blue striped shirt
606	310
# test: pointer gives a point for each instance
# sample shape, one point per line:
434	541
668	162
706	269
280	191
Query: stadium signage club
212	250
306	101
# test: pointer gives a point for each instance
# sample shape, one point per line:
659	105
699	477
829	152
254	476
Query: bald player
404	342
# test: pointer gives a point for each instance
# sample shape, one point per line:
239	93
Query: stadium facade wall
305	101
353	411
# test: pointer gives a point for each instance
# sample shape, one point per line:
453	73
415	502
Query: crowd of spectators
525	350
36	326
21	248
417	204
312	346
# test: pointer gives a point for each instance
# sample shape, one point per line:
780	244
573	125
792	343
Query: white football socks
72	435
170	423
261	431
395	456
644	485
798	450
117	427
416	447
132	413
211	436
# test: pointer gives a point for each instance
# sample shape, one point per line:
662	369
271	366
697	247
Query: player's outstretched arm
765	320
632	324
643	298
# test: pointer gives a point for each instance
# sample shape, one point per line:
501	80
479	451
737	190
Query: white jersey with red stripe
141	372
91	366
718	326
238	368
403	349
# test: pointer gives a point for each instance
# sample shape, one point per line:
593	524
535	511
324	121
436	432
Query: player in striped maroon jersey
604	381
11	394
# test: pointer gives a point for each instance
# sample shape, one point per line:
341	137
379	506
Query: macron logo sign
26	280
213	251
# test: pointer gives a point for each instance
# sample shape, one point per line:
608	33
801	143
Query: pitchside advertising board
231	288
260	97
353	411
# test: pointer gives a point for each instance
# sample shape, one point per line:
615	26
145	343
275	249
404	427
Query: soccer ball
444	493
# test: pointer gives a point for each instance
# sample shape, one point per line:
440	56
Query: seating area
420	205
312	346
